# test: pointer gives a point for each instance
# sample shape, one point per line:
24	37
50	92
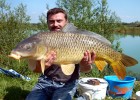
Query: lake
131	46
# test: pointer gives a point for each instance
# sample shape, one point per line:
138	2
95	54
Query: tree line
92	15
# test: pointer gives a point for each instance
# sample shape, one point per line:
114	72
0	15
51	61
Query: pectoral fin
31	64
100	64
42	62
68	69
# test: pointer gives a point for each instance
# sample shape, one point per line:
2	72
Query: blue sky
127	10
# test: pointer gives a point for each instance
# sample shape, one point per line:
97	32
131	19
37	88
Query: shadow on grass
15	93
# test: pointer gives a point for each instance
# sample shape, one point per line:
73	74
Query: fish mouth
15	56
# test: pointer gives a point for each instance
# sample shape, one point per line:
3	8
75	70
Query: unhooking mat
13	73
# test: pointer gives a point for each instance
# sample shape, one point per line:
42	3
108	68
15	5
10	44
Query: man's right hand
35	65
50	59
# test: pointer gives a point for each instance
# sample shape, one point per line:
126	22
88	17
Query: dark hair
55	11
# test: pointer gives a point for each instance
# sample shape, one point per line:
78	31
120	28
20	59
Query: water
131	46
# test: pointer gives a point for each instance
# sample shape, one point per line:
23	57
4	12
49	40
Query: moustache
55	27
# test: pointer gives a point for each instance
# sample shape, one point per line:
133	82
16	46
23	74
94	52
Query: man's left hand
88	59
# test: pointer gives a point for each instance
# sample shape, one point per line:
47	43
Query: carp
69	48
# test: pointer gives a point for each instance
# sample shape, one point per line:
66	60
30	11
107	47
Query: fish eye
28	47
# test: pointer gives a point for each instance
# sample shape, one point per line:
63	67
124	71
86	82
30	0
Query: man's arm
35	65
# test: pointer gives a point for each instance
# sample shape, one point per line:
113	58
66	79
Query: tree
92	15
106	21
43	21
81	12
14	27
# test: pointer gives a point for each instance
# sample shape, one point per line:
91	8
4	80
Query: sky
127	10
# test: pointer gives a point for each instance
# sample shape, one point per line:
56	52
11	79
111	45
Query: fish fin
31	64
68	69
42	63
71	28
100	64
119	69
40	52
128	61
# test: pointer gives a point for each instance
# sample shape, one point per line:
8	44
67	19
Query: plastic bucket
96	91
120	88
138	95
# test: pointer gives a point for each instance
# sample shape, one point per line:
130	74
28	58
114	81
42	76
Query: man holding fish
64	51
56	83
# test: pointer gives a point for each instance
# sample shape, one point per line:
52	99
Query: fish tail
119	69
128	61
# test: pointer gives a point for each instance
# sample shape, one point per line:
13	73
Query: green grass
18	89
15	88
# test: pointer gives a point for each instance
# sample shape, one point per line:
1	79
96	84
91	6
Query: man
54	84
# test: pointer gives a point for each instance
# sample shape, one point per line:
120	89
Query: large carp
69	48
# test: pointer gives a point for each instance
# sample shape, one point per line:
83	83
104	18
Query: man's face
56	22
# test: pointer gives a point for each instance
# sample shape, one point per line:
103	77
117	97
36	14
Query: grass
15	88
18	89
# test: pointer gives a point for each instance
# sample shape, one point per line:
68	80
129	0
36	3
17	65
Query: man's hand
48	62
50	59
88	59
